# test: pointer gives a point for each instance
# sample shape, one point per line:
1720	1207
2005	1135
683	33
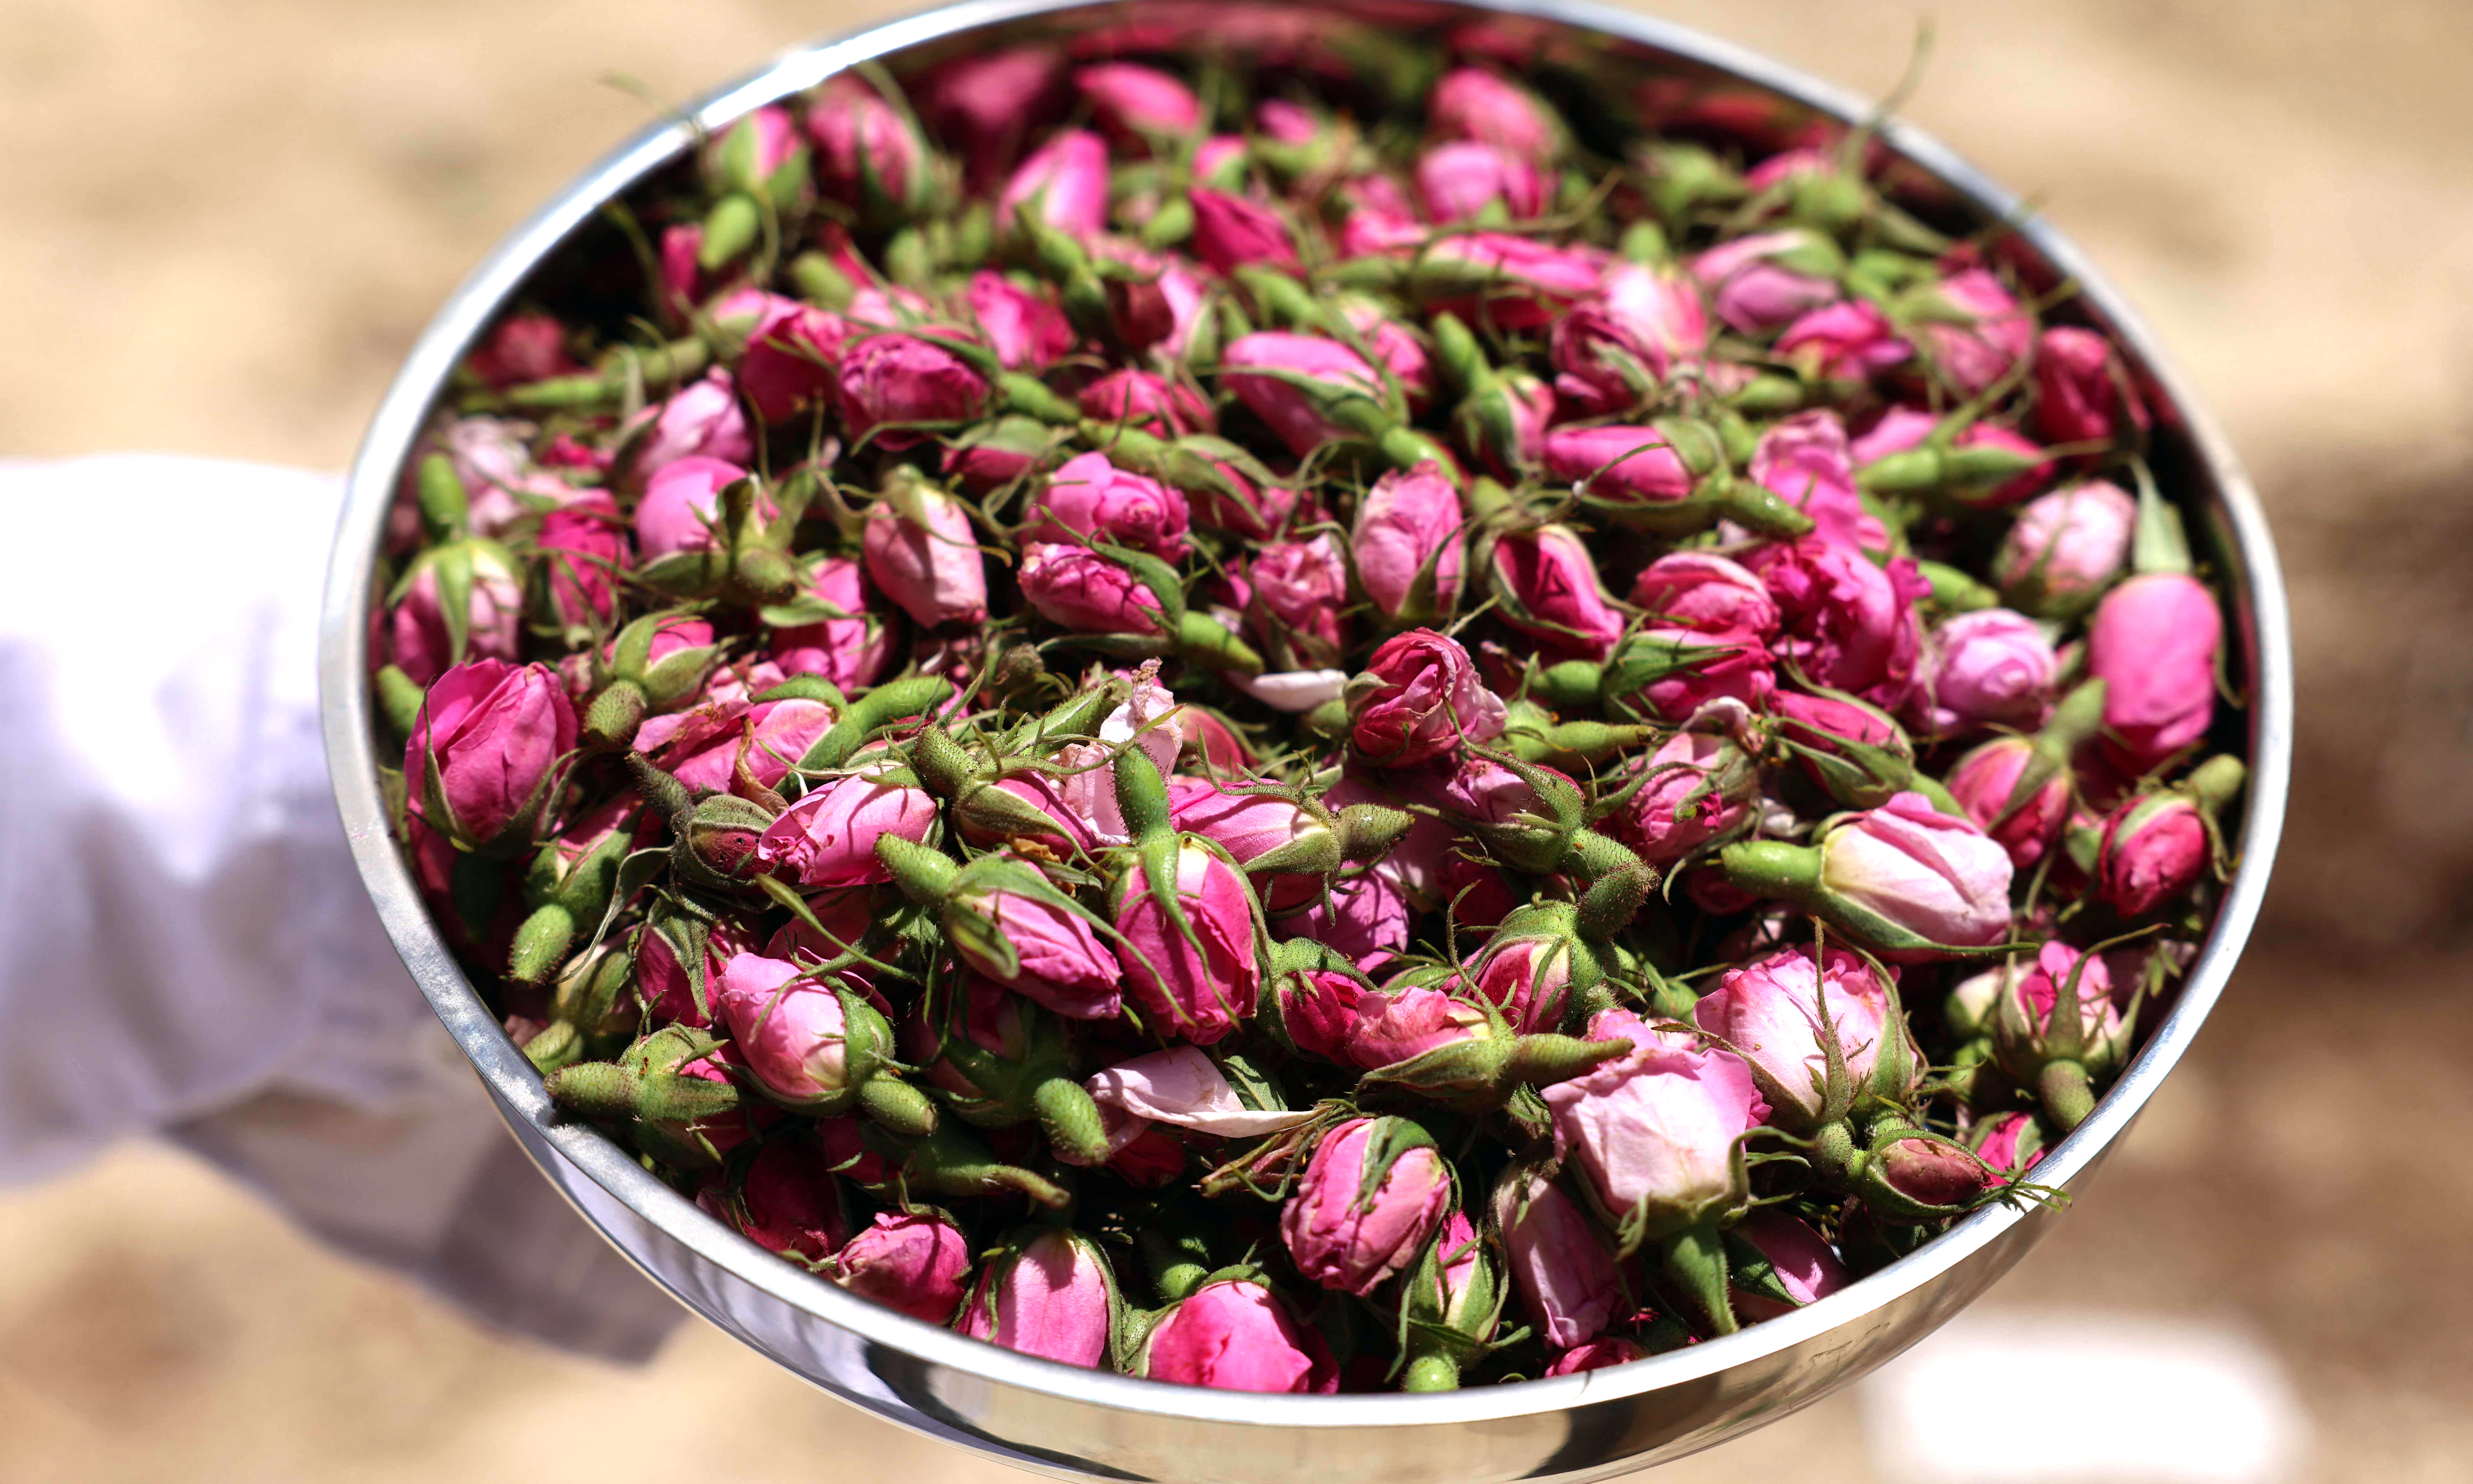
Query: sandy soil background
225	222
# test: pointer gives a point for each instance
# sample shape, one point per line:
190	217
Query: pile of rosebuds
1197	725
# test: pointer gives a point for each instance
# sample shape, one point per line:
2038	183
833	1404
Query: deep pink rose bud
1846	622
790	1202
1801	1264
1700	589
1546	586
1138	105
1700	788
1698	668
795	1032
913	1263
1768	280
1471	103
1062	185
1769	1011
2084	393
699	420
419	639
1230	231
1559	1260
985	100
1023	328
1296	383
2011	1143
1419	699
1409	543
1392	1025
1626	466
1373	1193
1994	335
1135	398
1058	961
1528	976
1300	589
922	552
792	349
2153	643
1843	342
1511	281
682	506
2156	846
500	736
1985	784
1236	1336
1986	668
1089	498
1198	977
2066	548
1598	1354
1464	178
1613	352
851	649
521	348
582	548
1051	1295
1655	1131
1082	590
828	838
867	153
890	385
1805	460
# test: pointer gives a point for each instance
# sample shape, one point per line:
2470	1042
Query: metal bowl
1080	1423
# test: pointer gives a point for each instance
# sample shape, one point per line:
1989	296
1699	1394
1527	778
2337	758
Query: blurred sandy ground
225	222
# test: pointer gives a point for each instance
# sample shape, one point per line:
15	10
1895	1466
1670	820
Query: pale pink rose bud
769	738
788	366
793	1032
1510	282
1985	784
501	736
1025	329
1596	1354
2066	548
1246	825
418	639
522	347
1973	355
2153	643
929	564
1079	590
1921	872
1089	498
1309	378
1803	1263
1804	461
1463	178
1418	698
1635	465
494	457
1409	544
582	547
1546	586
1845	621
681	506
1364	918
890	384
1236	1335
790	1202
1130	396
915	1264
1613	352
1768	280
1986	668
851	650
1700	589
1219	161
1372	1194
1232	230
2084	393
1136	104
1064	183
2154	849
1300	589
1471	103
699	420
1199	979
828	838
867	152
1395	1024
1559	1260
1061	962
1770	1012
1528	977
1700	787
1655	1132
1052	1296
1844	341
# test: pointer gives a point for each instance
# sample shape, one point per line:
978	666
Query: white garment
184	944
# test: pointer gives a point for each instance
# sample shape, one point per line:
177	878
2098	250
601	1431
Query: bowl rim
396	425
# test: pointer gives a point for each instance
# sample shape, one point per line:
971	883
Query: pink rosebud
1409	544
1295	382
1461	179
1286	123
521	348
851	650
915	1264
1510	282
1559	1262
1052	1297
500	736
1766	281
1396	350
1380	230
791	352
996	454
1061	963
1235	1336
1546	584
1064	183
1371	1195
866	150
1364	918
1802	1262
927	560
890	384
1390	1026
1023	328
418	640
1596	1354
2152	850
1137	105
1471	103
1700	589
1419	699
1921	872
790	1202
1985	784
2084	393
828	838
1846	622
1806	463
1630	465
681	506
1198	977
792	1031
1611	353
1246	825
1699	788
1232	230
2067	546
768	738
1706	667
1528	977
1298	589
1133	397
1997	333
1655	1132
1769	1011
1986	668
583	545
2152	642
2029	1004
662	982
1318	1010
1079	590
984	101
1089	498
2011	1144
1844	341
699	420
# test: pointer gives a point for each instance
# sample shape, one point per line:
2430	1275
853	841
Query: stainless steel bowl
1080	1423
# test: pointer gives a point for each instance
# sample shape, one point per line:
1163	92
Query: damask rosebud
1985	783
2156	846
1699	788
1987	668
789	1201
797	1034
1848	340
867	153
699	420
1133	397
1308	389
1062	184
1408	545
2056	1029
894	390
1373	1193
1845	621
1138	105
578	555
682	508
489	751
1974	330
1236	1335
1800	1266
852	645
2084	393
1076	588
912	1262
828	838
459	602
1558	1258
2153	643
1910	881
1230	231
1805	460
1766	281
1471	103
1420	698
1089	498
1771	1012
1464	180
1188	946
1657	1132
1050	1294
922	552
1700	589
1025	329
1546	585
2065	548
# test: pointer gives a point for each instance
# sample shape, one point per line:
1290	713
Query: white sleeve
184	944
